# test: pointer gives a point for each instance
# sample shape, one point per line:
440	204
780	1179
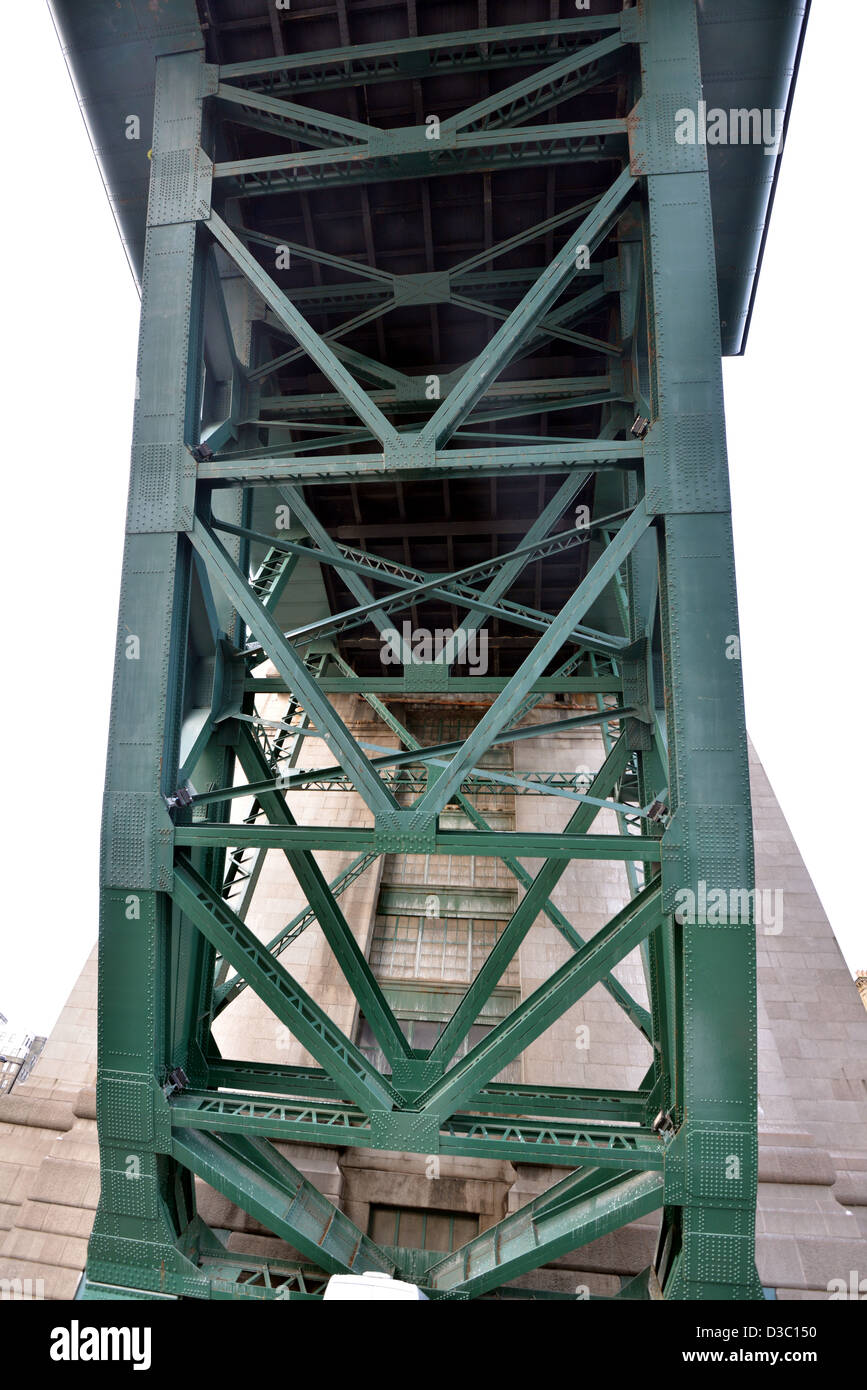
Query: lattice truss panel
428	489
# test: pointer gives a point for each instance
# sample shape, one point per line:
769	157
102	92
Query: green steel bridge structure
481	276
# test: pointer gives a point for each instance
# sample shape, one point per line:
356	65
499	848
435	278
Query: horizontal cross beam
403	463
488	844
409	757
504	1098
395	686
410	153
560	1142
387	59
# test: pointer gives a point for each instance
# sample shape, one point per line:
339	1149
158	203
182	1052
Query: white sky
71	315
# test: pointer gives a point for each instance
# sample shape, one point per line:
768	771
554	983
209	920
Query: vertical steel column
711	1165
146	1200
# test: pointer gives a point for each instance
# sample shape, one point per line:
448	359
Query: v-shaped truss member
275	986
292	668
338	933
319	351
506	704
586	1205
588	966
256	1176
525	317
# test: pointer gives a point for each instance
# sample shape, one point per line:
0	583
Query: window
431	732
422	1034
423	1013
450	870
422	1229
409	947
439	916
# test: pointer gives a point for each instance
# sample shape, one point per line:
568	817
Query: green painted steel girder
304	1018
506	843
455	685
255	1175
408	462
225	990
511	46
411	153
204	597
561	1142
581	1208
502	1097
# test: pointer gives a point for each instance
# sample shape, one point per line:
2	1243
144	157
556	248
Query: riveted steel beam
526	844
587	1103
510	46
291	120
208	597
522	1140
252	1173
148	1012
226	990
410	153
394	686
292	667
224	929
711	1182
581	1208
445	463
625	931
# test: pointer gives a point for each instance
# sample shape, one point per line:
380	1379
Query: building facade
19	1053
